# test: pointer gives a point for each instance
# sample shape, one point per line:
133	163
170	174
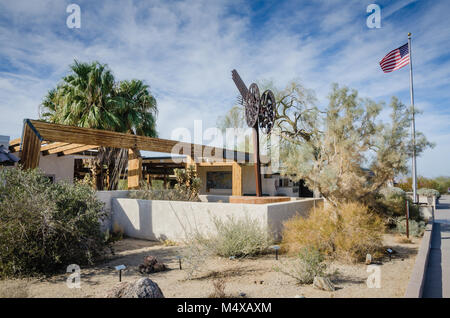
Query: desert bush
116	234
218	288
348	232
308	264
391	203
415	228
45	227
238	237
186	189
232	237
429	192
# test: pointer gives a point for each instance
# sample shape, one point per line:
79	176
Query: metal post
257	162
407	218
413	123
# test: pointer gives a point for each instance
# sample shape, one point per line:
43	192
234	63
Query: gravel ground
255	277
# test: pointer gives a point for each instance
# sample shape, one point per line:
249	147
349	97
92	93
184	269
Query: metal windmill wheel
267	111
252	102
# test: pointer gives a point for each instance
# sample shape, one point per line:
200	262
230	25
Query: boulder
323	283
142	288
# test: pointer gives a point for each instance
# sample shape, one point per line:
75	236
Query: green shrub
348	232
238	237
429	192
391	202
45	227
186	189
232	237
415	228
308	264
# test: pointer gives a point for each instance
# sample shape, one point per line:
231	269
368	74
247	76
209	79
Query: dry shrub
347	232
219	288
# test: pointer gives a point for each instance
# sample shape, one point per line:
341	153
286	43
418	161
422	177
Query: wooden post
31	148
236	179
257	162
134	169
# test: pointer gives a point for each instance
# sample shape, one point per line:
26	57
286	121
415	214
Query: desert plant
45	227
391	202
232	237
146	192
218	288
429	192
348	231
188	182
238	237
415	228
186	189
308	264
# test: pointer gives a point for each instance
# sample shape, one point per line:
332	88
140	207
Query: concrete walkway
437	278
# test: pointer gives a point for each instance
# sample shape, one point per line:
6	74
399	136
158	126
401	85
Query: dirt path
254	277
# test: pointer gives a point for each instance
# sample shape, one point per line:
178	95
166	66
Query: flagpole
413	123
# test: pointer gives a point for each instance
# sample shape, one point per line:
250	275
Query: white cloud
186	50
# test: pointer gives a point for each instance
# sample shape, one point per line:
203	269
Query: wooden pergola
46	138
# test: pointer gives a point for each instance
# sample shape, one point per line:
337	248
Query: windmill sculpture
259	113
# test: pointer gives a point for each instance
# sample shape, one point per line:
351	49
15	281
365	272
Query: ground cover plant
44	227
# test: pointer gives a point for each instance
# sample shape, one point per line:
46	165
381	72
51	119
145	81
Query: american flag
395	59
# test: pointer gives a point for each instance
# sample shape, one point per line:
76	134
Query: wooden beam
79	149
88	136
63	148
31	148
53	145
216	164
236	179
134	169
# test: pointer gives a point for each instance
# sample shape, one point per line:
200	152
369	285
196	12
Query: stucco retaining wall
174	220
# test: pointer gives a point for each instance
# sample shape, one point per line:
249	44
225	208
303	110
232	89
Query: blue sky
185	50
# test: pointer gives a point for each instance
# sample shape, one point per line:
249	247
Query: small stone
242	294
368	259
323	283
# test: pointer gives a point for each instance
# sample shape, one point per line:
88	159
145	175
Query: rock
323	283
142	288
368	259
151	265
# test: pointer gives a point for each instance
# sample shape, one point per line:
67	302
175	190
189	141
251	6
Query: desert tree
346	152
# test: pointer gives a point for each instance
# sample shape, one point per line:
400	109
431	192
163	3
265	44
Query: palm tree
89	97
136	107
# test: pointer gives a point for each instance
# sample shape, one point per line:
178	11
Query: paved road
437	279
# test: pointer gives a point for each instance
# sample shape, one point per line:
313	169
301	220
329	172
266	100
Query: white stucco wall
174	220
61	167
